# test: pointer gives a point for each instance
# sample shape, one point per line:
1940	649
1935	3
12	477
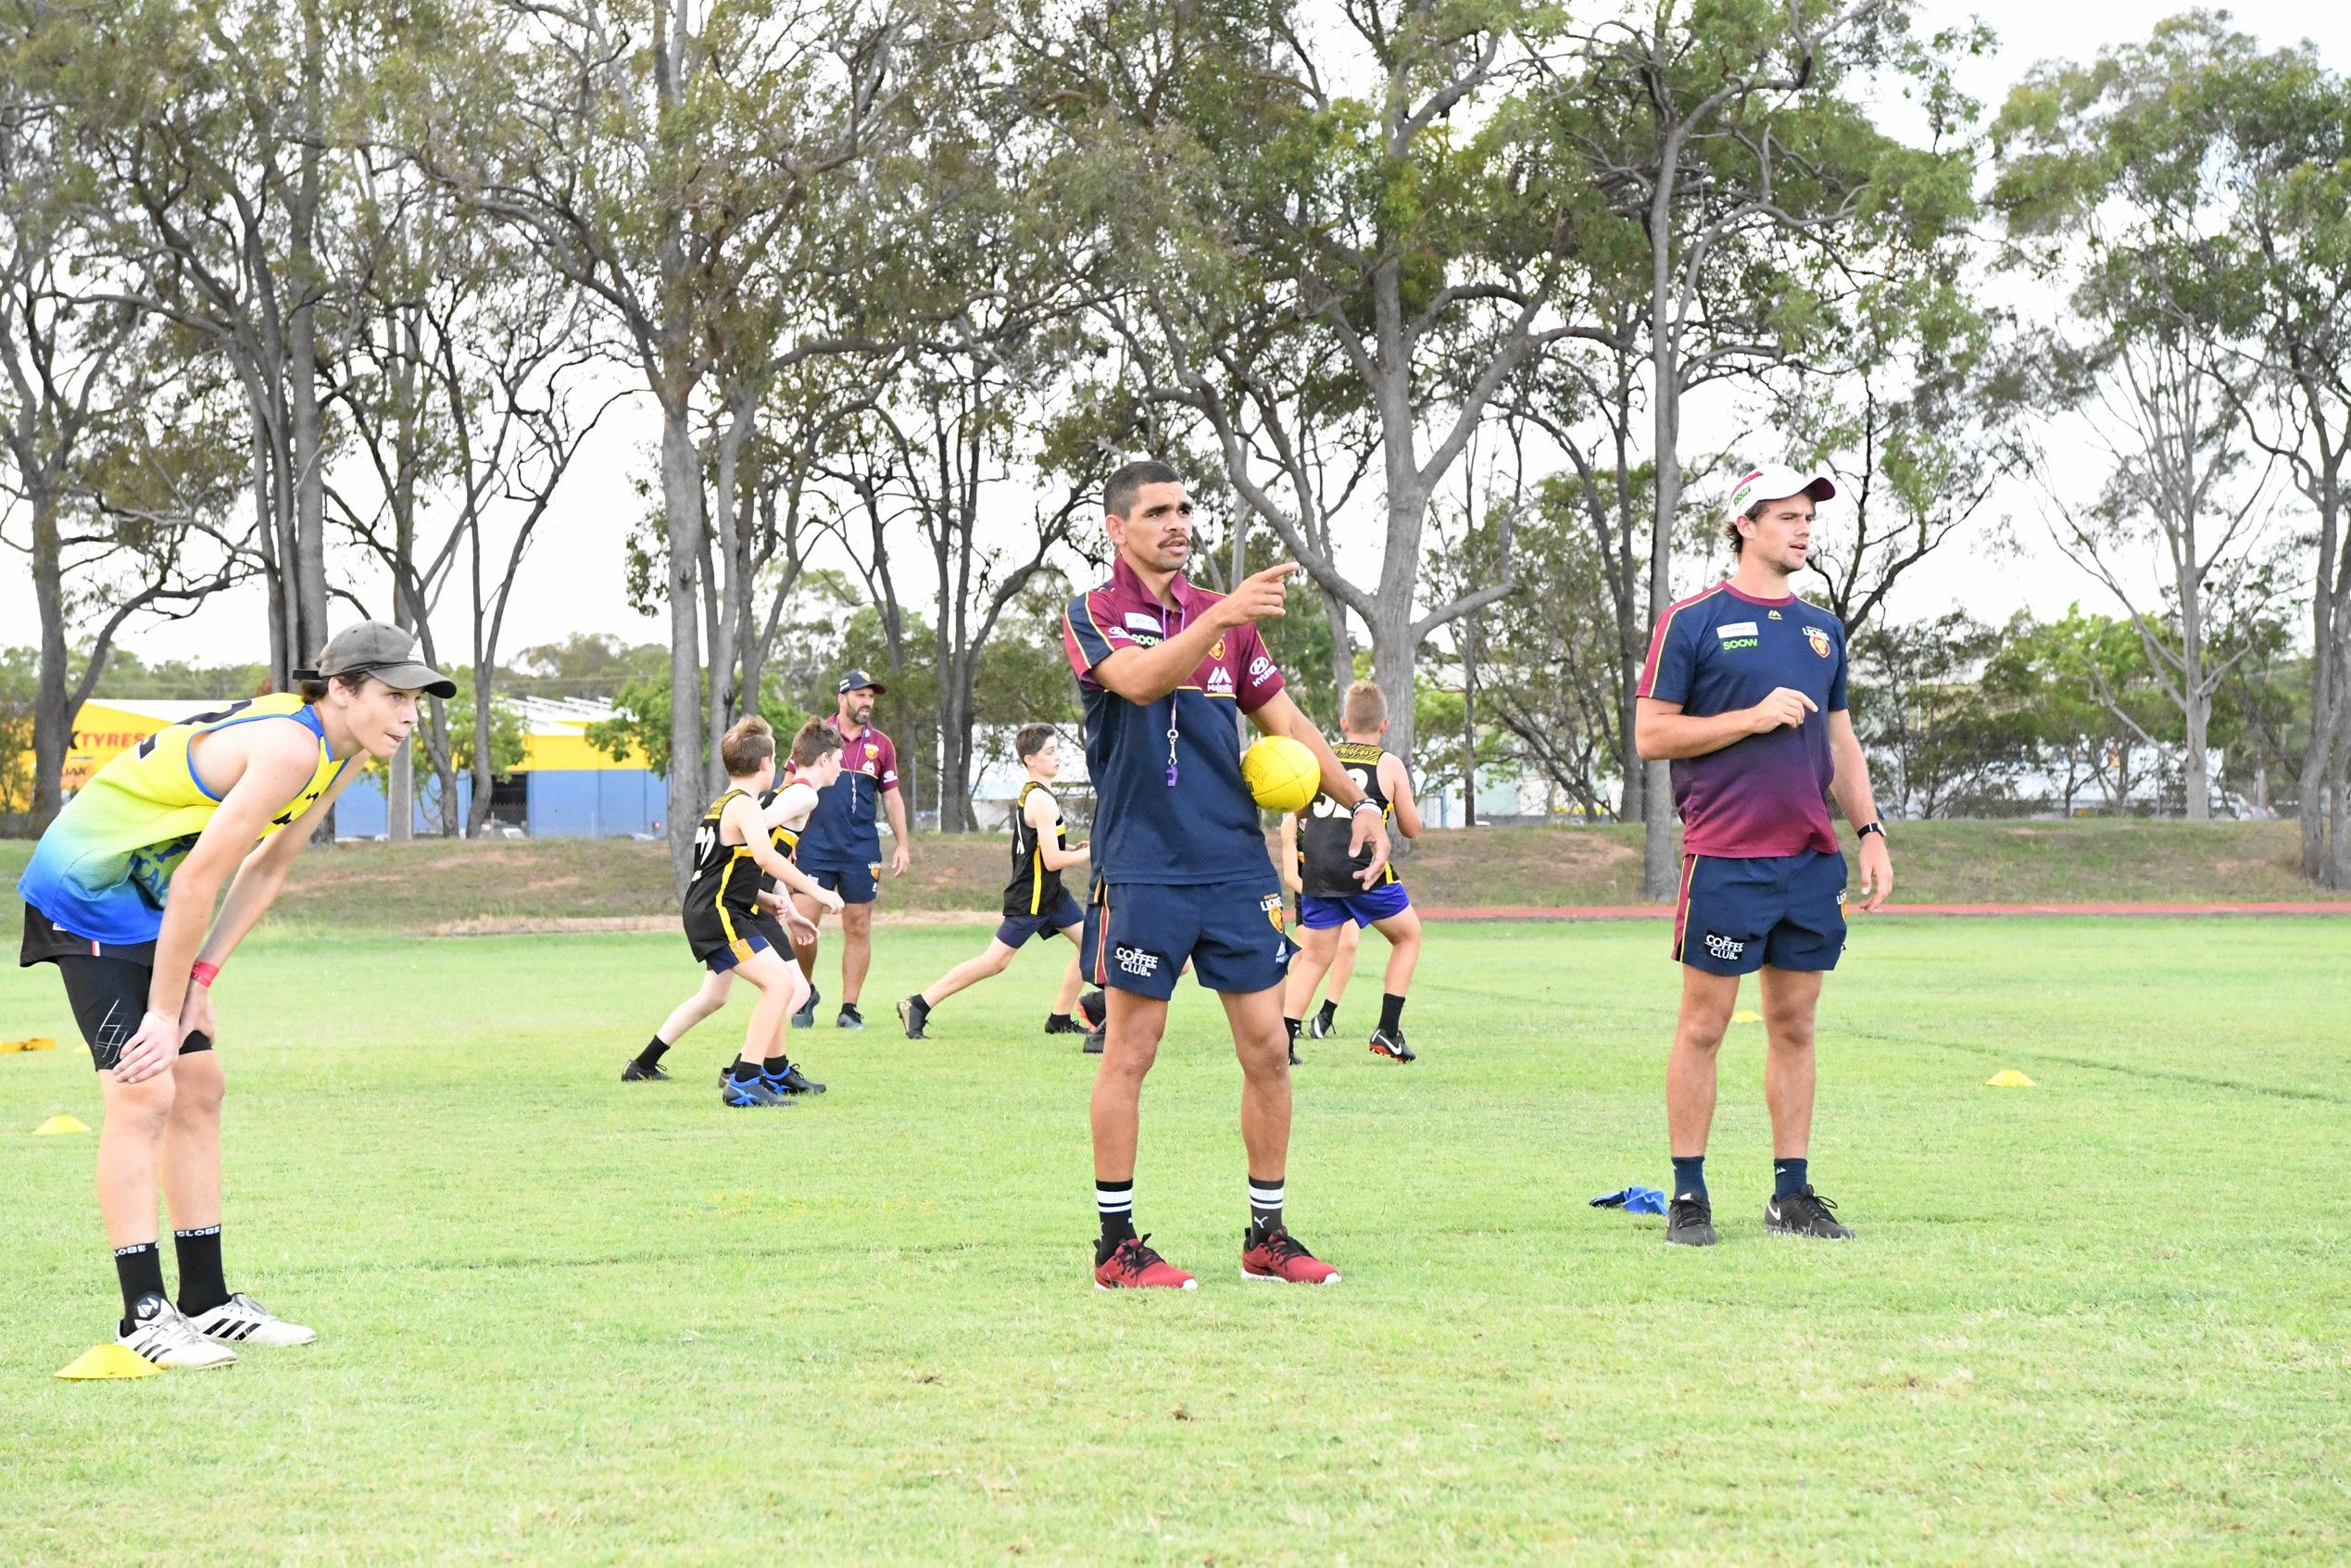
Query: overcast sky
574	582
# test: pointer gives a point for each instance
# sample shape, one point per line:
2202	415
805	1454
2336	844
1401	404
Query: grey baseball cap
371	648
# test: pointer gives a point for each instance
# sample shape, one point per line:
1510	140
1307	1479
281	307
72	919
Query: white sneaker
243	1320
164	1336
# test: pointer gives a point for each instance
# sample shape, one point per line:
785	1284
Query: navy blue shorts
1372	904
725	956
1785	911
1062	913
856	884
1139	934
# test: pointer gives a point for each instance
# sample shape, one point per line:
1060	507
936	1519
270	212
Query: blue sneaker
806	1017
755	1092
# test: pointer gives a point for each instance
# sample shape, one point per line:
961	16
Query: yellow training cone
1746	1015
38	1043
56	1124
108	1361
2009	1078
7	1045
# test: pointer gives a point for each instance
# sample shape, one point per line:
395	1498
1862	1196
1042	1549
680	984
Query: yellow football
1281	774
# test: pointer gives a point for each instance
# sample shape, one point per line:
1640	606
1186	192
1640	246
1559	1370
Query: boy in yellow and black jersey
1318	868
730	915
1035	901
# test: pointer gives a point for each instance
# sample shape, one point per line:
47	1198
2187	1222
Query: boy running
1035	900
119	896
732	848
1331	892
816	761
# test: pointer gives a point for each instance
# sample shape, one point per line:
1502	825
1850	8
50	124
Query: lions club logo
1216	648
1272	905
1819	639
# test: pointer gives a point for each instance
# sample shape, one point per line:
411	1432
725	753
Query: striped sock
1265	1204
1114	1206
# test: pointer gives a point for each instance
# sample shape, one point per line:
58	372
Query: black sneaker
1093	1010
1804	1213
851	1018
1390	1042
1063	1024
791	1081
1690	1221
1319	1027
914	1013
643	1073
806	1017
1093	1046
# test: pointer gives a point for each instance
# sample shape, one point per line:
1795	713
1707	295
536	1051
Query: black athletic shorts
106	986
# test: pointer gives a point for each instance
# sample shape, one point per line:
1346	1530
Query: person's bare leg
1307	967
1402	932
994	961
771	972
707	1000
1072	978
1262	1045
130	1155
191	1151
857	950
804	953
1348	937
1130	1043
1790	998
1706	1002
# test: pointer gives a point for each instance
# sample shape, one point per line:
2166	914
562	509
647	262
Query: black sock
139	1270
1330	1010
743	1072
1293	1025
201	1286
1689	1177
1115	1205
651	1055
1787	1177
776	1066
1265	1204
1391	1013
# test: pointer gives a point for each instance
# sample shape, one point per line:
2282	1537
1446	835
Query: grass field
567	1319
431	884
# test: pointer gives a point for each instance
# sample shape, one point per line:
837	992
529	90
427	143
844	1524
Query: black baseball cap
372	647
859	678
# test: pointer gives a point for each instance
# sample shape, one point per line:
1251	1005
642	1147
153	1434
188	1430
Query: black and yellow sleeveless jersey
1325	869
726	879
1033	889
787	841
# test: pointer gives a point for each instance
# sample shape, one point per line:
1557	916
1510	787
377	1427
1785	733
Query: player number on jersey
1325	806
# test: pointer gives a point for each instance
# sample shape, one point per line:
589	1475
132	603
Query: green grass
566	1318
430	884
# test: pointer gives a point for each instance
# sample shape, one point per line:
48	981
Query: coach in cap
841	846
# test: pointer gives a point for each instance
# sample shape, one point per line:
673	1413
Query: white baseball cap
1774	482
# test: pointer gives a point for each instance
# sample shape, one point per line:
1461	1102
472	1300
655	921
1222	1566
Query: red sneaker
1134	1266
1278	1255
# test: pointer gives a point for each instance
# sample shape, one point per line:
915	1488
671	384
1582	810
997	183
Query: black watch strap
1866	829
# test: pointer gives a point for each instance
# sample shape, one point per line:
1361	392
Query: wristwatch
1866	829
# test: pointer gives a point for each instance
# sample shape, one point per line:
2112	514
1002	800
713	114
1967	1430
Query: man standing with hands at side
1181	872
1745	692
841	846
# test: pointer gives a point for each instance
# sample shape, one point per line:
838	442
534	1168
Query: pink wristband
204	974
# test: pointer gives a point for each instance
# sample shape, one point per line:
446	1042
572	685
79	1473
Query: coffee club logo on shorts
1724	948
1135	961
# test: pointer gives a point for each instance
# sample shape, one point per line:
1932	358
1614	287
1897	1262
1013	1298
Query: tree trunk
1659	876
1470	722
682	508
52	724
